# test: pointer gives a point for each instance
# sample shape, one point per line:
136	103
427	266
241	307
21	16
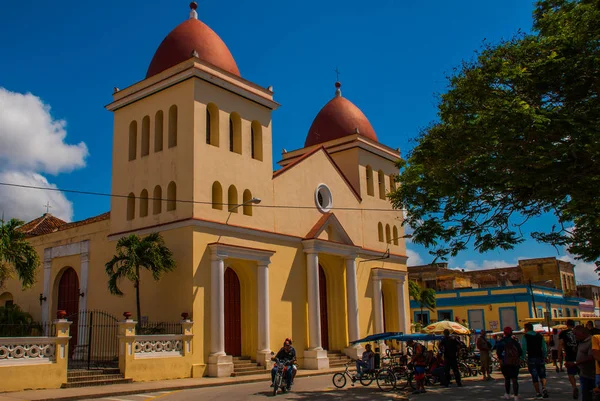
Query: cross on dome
193	7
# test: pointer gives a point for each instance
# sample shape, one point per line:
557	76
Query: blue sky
393	56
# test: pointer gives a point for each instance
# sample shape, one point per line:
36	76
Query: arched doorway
233	315
68	300
323	304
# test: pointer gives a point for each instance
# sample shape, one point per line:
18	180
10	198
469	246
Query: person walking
508	351
534	349
585	362
554	349
568	345
449	347
484	347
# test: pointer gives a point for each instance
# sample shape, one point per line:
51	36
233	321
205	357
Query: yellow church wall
157	168
347	160
218	163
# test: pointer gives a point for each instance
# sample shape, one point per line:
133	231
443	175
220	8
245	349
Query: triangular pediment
329	228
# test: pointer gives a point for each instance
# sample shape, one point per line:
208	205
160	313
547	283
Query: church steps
96	377
245	366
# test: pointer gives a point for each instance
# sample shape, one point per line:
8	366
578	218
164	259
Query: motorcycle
280	381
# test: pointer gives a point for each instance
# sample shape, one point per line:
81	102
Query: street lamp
533	297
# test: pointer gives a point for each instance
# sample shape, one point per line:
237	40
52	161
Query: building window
232	199
145	136
171	197
256	140
247	205
568	312
380	231
555	313
173	126
422	318
370	190
158	131
540	313
387	234
381	178
395	233
130	206
235	133
144	203
217	196
132	140
392	182
575	313
445	315
323	198
157	200
212	124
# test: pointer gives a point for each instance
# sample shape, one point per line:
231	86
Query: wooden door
323	304
233	315
68	300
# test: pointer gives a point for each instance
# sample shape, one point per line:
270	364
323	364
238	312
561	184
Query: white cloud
486	264
27	204
414	259
584	272
30	139
33	143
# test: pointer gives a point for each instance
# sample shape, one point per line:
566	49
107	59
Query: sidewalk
144	387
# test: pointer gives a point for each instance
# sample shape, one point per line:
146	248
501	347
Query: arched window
157	200
395	233
392	182
171	196
232	199
217	196
132	140
144	203
212	124
235	133
388	235
370	190
158	131
381	177
380	231
130	206
145	136
247	205
173	126
256	141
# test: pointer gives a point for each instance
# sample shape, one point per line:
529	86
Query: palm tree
134	253
16	254
425	297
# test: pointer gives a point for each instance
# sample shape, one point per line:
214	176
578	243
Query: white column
83	279
264	336
352	299
403	313
377	305
217	304
47	277
314	307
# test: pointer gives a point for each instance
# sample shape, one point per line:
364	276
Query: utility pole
532	299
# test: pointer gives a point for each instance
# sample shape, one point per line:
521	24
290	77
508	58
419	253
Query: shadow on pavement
354	393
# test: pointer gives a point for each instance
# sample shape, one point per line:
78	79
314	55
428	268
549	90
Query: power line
92	193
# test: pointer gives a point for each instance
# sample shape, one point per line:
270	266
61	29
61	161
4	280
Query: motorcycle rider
294	366
287	355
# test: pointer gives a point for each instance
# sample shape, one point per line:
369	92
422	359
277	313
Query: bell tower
191	140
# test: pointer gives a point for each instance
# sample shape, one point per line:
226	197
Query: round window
323	198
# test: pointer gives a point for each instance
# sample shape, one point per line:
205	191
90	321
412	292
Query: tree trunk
137	296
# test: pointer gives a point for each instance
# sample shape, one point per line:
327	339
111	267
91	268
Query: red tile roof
47	224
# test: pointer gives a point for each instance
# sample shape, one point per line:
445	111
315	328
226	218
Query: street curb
251	379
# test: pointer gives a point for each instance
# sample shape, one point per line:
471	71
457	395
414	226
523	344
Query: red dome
188	36
338	118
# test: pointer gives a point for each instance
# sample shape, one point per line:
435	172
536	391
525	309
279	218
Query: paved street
307	388
476	389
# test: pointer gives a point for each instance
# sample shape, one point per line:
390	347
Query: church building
313	251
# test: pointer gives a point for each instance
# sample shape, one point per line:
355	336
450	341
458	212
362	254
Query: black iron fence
154	328
31	329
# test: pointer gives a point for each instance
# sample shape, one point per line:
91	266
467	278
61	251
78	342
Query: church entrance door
323	304
233	315
68	300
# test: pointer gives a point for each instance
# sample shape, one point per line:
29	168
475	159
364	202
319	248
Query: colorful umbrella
439	327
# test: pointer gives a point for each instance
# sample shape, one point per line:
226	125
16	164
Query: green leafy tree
518	137
16	254
133	254
425	297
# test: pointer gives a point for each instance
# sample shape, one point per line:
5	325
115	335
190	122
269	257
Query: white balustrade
158	346
27	350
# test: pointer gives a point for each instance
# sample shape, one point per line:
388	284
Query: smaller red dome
189	36
337	119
